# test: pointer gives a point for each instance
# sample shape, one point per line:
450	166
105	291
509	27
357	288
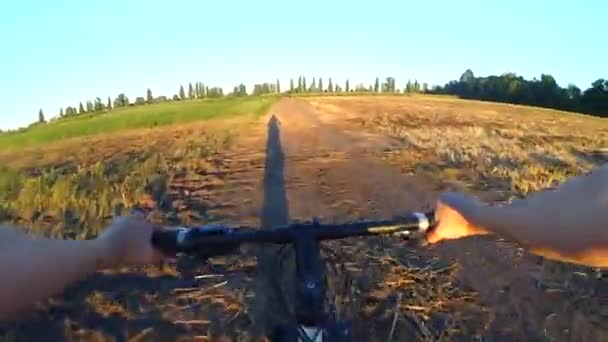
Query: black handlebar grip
166	240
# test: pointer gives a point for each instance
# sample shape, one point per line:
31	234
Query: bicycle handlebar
310	309
215	240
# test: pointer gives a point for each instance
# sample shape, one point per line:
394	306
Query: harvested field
338	159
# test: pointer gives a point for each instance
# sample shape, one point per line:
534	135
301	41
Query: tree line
543	92
317	86
508	87
195	91
198	90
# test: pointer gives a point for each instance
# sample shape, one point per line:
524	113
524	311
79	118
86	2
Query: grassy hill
193	170
74	172
145	116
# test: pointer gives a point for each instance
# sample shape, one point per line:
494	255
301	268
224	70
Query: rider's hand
457	216
127	241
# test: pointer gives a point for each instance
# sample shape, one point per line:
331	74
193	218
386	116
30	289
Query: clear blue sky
57	53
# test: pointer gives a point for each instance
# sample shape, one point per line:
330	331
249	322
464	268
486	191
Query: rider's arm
34	269
569	223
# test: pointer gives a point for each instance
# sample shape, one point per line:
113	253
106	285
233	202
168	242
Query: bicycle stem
310	287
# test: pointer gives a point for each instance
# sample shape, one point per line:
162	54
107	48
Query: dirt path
332	173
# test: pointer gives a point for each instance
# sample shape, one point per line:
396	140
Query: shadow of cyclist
275	211
269	307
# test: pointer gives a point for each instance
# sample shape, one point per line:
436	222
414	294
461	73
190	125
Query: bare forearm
35	269
570	223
